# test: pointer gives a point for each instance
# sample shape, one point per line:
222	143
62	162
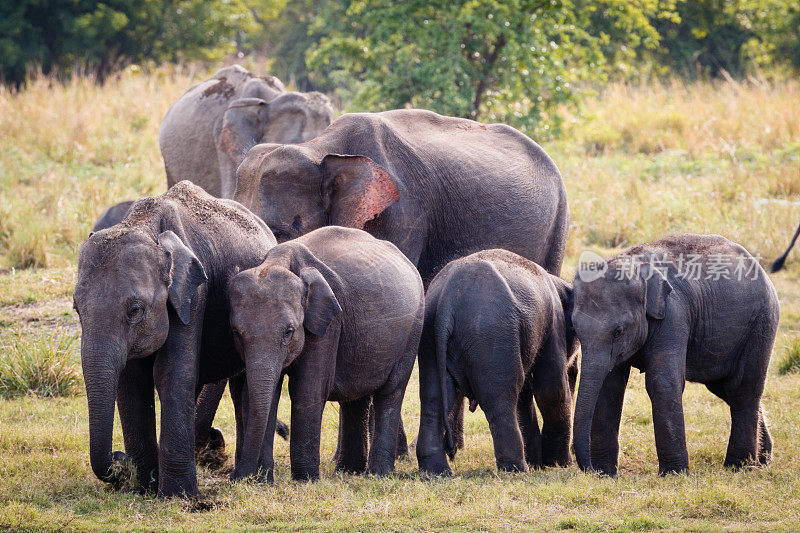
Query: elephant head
294	193
289	118
127	280
611	317
273	311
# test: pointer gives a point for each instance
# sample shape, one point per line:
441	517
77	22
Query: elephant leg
306	429
551	388
175	374
402	440
607	416
743	446
431	453
209	443
353	436
529	425
136	404
498	402
665	381
238	386
388	407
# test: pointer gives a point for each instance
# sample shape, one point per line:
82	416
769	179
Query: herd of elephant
338	253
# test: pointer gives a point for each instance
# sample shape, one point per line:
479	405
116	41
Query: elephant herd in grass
336	254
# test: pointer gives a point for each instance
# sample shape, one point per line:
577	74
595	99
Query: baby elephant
687	307
498	330
340	313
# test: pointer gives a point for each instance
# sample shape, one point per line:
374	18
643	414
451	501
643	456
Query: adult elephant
437	187
778	264
208	130
151	295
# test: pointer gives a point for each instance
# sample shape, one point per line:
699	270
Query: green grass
639	163
790	358
43	366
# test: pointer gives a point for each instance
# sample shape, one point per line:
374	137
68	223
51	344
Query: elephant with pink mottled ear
209	129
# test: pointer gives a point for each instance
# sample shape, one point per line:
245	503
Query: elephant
112	216
340	313
206	436
205	134
437	187
778	264
151	295
498	328
687	307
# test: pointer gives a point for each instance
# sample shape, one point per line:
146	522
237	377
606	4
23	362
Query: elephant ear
186	274
355	189
319	304
241	128
657	289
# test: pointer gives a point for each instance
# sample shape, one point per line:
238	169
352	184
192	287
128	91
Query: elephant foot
211	453
512	466
434	467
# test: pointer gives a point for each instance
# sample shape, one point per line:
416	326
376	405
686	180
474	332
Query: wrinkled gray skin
778	264
152	300
718	332
209	129
340	313
206	436
437	187
497	329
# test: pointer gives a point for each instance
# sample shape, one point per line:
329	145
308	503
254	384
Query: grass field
639	162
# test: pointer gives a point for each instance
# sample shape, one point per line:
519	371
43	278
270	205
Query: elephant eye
617	332
135	311
287	335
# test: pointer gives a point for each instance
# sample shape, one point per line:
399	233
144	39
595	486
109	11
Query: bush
43	367
790	362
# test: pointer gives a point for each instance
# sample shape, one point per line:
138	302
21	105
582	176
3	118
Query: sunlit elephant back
208	130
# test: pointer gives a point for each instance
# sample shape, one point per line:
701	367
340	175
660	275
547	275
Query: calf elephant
206	436
778	264
680	316
340	313
502	342
207	131
152	301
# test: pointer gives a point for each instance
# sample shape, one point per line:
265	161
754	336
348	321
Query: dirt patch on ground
40	316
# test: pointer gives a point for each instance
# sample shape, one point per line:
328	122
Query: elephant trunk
102	379
588	391
262	382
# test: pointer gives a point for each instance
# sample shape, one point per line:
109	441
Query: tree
103	36
516	61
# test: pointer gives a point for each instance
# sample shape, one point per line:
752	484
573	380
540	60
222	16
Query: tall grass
639	161
42	366
790	359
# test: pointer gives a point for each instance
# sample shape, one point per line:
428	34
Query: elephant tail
442	328
778	264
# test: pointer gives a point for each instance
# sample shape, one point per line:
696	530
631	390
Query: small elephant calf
498	330
687	307
340	313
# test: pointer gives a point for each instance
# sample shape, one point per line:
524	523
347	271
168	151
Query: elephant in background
208	130
112	216
778	264
151	298
678	317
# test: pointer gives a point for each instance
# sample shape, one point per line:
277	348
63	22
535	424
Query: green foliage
101	37
712	36
44	366
515	61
